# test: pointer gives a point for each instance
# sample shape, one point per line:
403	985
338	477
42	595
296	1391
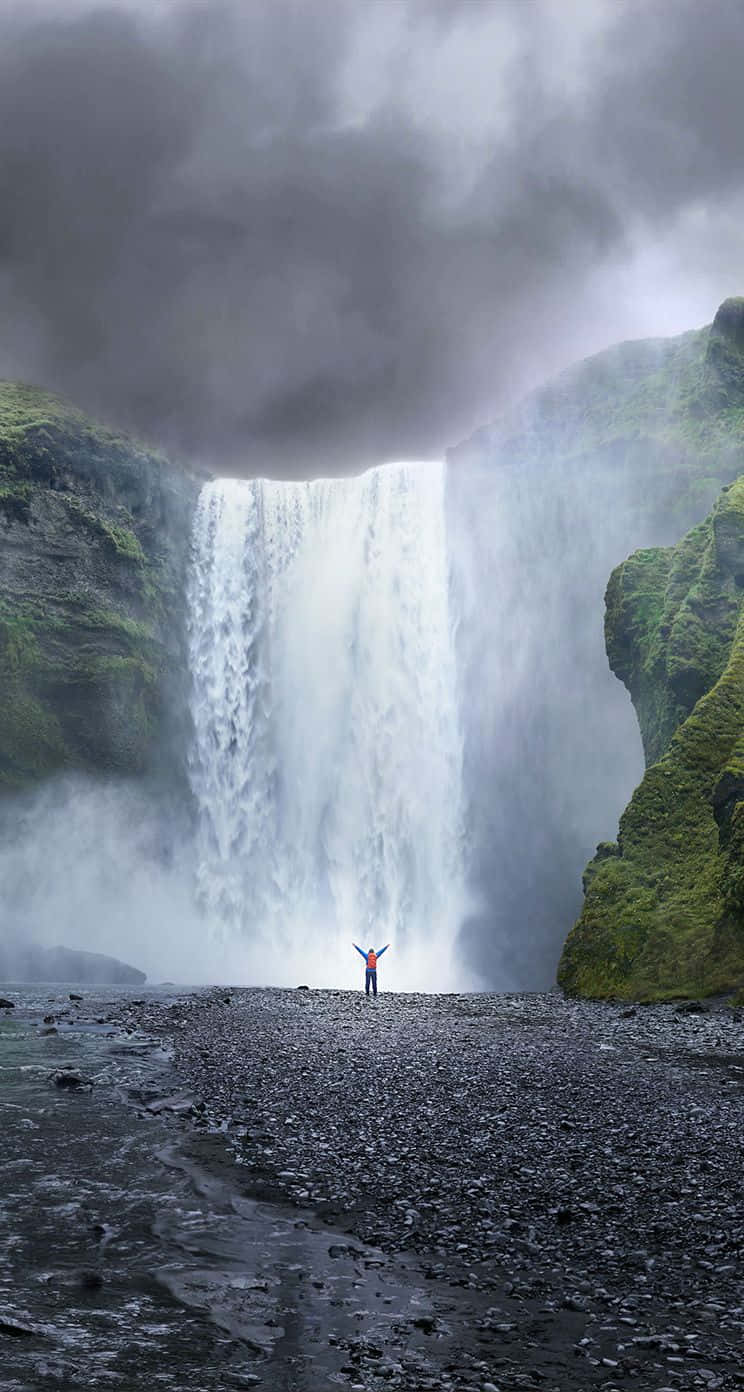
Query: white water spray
327	756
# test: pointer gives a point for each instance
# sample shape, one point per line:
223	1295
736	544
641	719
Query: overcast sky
305	235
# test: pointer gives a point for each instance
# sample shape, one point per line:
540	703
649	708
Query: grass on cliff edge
661	916
25	410
685	392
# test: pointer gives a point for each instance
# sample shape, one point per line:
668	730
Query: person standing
371	959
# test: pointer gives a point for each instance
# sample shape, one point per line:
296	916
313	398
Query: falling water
327	755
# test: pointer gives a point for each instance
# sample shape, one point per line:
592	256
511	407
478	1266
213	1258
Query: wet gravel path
569	1174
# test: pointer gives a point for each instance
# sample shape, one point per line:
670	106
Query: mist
552	744
403	728
109	867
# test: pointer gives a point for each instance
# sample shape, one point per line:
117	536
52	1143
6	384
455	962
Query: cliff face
93	547
628	449
668	414
663	911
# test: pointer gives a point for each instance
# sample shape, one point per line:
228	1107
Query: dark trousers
371	980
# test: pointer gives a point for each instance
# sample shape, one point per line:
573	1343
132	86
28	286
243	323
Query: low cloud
300	237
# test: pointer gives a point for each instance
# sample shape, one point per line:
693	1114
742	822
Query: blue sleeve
359	950
383	949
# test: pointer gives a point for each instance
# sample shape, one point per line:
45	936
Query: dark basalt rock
729	322
17	1329
70	1080
6	1004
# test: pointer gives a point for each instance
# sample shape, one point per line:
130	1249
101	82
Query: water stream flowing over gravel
300	1190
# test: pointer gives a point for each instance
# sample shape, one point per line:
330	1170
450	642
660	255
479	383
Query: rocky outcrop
663	911
55	964
93	547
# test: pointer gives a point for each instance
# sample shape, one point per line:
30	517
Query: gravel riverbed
565	1177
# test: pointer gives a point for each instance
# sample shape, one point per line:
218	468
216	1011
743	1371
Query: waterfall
327	752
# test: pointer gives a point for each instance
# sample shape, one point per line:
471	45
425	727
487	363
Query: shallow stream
130	1258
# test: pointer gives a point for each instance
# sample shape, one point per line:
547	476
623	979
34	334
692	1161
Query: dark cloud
303	236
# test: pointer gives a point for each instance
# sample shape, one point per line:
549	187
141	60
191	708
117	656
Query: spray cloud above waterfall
305	237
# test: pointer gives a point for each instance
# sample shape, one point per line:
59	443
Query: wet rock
6	1004
179	1103
17	1328
70	1080
525	1152
426	1323
74	996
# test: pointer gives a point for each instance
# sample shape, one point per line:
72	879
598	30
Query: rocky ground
567	1176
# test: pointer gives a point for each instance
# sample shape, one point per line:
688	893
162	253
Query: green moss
114	622
116	665
15	498
666	915
80	687
670	615
663	389
126	543
31	741
35	424
92	609
121	540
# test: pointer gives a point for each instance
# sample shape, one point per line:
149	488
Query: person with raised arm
371	959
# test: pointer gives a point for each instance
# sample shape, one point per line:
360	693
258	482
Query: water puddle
302	1299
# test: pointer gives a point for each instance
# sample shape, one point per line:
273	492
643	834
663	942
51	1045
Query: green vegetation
121	540
664	910
90	609
665	415
39	427
31	741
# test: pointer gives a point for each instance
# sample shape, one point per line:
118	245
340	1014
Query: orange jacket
371	957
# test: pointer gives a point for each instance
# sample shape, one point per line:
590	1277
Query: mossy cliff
93	545
625	450
663	911
666	414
